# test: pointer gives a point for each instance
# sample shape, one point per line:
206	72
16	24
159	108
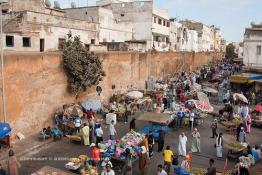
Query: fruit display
91	170
75	160
198	171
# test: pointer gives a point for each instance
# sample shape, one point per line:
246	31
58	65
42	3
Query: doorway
42	45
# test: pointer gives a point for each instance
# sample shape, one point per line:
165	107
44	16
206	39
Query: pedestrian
185	163
242	167
105	162
161	140
180	117
13	164
127	168
78	124
242	135
151	143
91	129
182	144
95	154
214	128
219	145
212	169
238	130
191	119
57	134
132	125
168	158
145	143
2	171
112	130
196	141
99	134
248	123
108	170
160	170
85	131
143	161
90	114
245	113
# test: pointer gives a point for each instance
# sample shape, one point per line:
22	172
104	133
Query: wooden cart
233	152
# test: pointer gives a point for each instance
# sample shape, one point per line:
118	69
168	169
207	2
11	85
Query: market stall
235	149
257	117
116	148
159	118
5	131
231	126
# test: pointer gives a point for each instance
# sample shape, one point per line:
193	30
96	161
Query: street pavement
55	154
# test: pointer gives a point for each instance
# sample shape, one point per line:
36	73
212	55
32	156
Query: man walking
161	140
168	157
112	130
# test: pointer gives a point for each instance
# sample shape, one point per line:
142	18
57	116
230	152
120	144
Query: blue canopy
5	129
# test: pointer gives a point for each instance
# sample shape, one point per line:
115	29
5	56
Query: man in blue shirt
180	116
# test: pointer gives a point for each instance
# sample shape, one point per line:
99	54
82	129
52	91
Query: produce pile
235	146
198	171
234	122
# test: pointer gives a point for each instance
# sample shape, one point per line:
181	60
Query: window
258	50
93	41
9	41
154	19
159	21
168	24
164	23
61	43
122	14
26	42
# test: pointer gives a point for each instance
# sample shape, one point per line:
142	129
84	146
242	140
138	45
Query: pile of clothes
117	149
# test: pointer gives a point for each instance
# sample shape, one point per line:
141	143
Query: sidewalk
23	147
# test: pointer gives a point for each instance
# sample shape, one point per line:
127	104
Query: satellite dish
73	5
57	5
47	3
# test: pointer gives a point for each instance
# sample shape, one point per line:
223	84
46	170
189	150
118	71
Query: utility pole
2	60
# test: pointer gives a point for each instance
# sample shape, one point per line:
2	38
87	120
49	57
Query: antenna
47	3
57	5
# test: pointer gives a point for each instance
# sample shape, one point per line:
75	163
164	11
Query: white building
111	28
31	25
252	46
149	23
192	43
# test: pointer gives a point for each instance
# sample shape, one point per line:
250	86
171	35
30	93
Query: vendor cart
235	150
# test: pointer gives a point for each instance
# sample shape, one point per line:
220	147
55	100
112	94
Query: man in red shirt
90	114
95	154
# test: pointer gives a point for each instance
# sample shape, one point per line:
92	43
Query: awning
244	78
5	130
160	118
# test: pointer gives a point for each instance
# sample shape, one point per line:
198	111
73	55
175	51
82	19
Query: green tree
83	69
230	50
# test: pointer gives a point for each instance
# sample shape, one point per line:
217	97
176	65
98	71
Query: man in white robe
182	144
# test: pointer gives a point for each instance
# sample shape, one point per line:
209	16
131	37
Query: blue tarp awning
5	129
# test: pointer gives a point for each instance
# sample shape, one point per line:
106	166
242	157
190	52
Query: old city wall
36	86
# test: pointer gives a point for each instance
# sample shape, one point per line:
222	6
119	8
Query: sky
232	16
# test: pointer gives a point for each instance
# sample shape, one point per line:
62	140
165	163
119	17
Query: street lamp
2	58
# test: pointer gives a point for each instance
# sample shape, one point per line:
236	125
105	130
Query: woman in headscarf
13	164
196	141
85	130
219	145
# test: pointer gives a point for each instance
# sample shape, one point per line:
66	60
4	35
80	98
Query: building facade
36	27
252	46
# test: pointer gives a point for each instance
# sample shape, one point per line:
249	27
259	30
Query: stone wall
36	85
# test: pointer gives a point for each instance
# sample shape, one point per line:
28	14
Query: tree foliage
230	50
83	69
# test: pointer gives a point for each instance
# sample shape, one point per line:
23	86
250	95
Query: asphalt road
57	153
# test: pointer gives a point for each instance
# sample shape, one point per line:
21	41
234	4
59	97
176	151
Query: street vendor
105	162
95	154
